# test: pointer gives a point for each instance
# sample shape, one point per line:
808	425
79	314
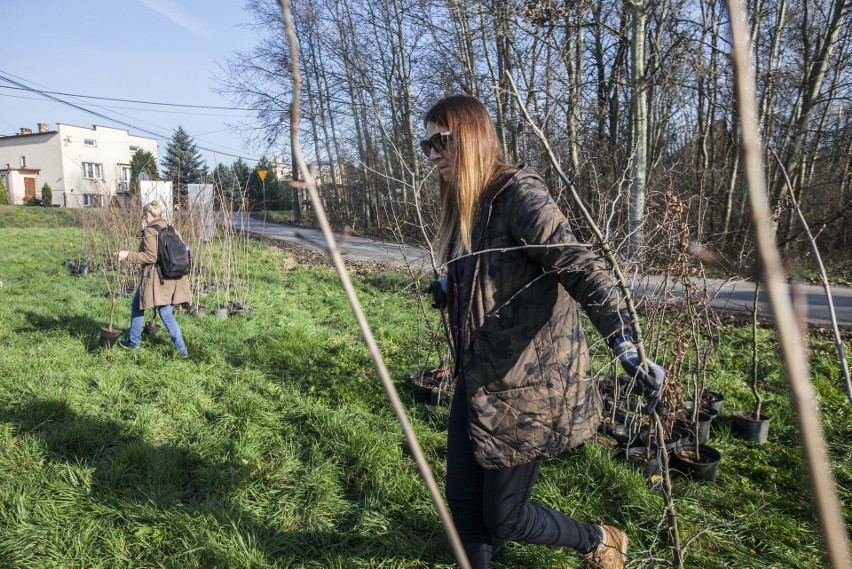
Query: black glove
438	290
651	381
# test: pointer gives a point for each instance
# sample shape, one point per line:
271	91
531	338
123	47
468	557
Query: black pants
493	505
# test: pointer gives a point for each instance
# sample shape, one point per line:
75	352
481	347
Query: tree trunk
639	115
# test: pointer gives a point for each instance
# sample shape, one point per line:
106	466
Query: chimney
26	130
42	127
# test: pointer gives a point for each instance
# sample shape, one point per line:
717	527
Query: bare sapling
772	274
838	340
346	283
758	398
114	230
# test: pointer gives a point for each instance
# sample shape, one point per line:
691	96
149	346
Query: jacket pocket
515	426
504	358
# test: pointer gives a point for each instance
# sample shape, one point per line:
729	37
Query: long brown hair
476	163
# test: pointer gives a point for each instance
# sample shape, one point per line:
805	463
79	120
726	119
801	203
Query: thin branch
772	274
337	258
838	340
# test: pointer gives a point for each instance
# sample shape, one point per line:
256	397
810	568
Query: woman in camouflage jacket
516	276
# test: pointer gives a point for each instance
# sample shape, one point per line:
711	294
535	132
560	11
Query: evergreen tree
4	195
46	195
242	173
224	182
141	162
182	163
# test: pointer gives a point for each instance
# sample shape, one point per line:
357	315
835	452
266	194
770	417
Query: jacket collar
490	194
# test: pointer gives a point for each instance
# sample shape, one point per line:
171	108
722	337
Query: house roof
19	135
23	170
8	137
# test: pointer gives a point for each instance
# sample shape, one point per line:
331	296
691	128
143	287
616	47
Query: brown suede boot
611	552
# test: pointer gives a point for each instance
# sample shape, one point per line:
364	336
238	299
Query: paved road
357	248
729	296
738	297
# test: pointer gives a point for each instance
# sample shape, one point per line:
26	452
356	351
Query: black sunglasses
438	141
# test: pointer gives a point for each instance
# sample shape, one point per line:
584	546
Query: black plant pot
649	463
702	469
623	427
704	421
617	431
751	429
673	441
221	312
241	308
151	329
714	400
433	387
108	337
197	309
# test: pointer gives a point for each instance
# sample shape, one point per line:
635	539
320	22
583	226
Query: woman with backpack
154	289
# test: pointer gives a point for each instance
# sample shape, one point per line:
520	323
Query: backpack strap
159	230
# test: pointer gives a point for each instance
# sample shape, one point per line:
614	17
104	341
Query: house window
124	183
90	142
23	161
87	200
91	170
133	148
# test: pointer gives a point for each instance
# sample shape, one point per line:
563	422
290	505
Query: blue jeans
491	506
137	320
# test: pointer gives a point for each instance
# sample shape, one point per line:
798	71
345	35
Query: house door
29	189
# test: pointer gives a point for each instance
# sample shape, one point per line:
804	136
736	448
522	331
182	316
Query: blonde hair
153	208
475	162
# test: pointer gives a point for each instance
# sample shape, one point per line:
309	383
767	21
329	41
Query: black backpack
173	260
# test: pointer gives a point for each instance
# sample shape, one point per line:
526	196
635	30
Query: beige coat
151	292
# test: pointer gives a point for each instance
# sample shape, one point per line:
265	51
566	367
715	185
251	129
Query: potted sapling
113	230
753	425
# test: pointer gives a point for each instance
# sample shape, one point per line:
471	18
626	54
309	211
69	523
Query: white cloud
173	12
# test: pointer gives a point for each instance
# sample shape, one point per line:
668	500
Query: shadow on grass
81	326
132	475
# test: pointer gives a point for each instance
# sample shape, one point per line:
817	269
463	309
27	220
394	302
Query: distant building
84	167
281	168
323	175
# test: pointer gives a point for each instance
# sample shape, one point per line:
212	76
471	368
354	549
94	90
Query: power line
132	100
114	107
48	95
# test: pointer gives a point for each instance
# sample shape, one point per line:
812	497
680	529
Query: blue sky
165	51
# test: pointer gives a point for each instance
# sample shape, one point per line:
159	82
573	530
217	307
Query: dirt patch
314	258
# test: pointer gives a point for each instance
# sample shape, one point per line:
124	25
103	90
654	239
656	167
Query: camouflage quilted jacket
527	371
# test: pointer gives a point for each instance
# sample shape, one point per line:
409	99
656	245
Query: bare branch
334	252
790	338
838	341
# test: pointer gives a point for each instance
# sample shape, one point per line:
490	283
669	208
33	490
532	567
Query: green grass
274	445
31	216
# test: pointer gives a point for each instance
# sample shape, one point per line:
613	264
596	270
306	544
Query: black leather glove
651	381
438	290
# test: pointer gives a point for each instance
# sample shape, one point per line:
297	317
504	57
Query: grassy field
273	444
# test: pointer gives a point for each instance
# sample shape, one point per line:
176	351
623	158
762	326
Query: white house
82	166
